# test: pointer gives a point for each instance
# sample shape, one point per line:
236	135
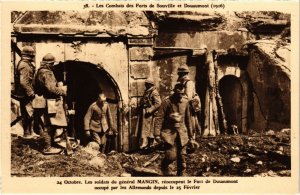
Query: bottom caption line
145	184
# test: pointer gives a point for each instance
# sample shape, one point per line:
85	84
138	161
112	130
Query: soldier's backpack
195	101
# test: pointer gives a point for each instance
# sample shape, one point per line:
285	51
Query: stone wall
271	87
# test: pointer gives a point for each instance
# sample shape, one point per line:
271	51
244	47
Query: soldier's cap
28	50
183	69
179	88
150	81
48	58
102	97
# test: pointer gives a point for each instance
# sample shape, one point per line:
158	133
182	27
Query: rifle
69	149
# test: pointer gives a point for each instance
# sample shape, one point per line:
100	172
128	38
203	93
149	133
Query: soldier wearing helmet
173	127
24	89
190	92
150	103
47	86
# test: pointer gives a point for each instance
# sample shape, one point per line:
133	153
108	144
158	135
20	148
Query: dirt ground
267	154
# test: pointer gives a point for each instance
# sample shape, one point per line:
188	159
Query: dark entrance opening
231	92
85	81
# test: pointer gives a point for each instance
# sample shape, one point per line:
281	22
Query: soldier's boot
47	139
27	127
181	172
198	127
150	142
181	165
102	148
27	134
144	144
165	169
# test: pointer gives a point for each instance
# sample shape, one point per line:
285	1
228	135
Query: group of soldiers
172	121
38	116
44	110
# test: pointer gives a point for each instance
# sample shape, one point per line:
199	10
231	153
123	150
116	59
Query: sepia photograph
143	95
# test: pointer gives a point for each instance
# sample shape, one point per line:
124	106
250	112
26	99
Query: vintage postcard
160	97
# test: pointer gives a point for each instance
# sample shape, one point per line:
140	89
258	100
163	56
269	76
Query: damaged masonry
239	62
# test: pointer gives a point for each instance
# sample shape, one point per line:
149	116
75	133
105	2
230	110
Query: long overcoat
150	104
165	125
45	84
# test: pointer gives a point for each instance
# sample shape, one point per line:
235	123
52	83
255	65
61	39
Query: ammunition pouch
52	106
195	103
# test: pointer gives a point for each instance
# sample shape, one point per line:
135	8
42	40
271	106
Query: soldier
24	89
98	122
190	92
174	128
53	116
150	104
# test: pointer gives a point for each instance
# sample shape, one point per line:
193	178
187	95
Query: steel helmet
48	58
28	50
183	69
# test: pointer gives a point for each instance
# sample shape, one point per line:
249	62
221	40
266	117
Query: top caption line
153	6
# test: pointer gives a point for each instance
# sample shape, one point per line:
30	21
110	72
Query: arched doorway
85	81
230	90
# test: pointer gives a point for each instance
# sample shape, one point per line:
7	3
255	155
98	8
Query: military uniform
175	133
190	92
46	85
24	89
98	120
150	103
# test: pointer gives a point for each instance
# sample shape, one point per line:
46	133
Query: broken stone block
97	162
252	155
287	131
247	171
125	174
279	152
270	132
93	145
280	148
259	163
285	173
235	159
92	148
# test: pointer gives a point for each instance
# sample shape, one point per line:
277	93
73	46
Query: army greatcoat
46	85
190	92
24	78
165	126
150	104
24	90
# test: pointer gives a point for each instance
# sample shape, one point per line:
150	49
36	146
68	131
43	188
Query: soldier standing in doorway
98	122
53	116
24	89
174	128
150	104
190	92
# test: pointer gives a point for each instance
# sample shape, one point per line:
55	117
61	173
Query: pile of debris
267	154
